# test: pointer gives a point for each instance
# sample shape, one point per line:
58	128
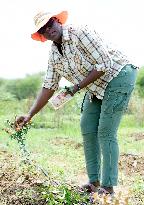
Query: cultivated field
55	144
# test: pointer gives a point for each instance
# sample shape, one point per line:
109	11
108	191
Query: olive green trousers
100	120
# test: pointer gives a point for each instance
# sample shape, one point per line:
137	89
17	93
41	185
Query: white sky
119	21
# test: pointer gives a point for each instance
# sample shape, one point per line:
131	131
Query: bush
24	88
4	94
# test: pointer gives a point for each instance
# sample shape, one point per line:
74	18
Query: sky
118	21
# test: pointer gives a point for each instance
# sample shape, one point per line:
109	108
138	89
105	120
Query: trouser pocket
118	92
117	99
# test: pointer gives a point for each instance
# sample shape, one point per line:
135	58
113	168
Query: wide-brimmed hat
42	18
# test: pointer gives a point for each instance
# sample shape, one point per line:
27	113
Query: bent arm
93	75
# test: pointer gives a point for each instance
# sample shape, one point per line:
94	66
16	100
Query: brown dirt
137	136
20	186
66	142
132	164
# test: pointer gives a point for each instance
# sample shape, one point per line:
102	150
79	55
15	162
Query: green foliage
6	96
140	82
56	145
17	133
24	88
2	81
56	193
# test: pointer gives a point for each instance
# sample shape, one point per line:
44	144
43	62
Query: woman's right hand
22	120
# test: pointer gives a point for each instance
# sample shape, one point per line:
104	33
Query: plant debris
132	164
137	136
22	184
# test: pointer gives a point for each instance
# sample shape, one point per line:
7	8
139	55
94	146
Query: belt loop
91	95
135	67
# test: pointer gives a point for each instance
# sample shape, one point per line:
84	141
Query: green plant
24	88
140	82
17	133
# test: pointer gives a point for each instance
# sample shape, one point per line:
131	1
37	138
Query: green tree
25	88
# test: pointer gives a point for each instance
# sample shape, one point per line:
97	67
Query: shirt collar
65	36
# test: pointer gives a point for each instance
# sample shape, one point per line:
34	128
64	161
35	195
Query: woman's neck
59	41
59	46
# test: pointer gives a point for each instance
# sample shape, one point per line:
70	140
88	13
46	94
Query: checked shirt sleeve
52	78
95	49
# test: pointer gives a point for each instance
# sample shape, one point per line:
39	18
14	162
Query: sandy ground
17	183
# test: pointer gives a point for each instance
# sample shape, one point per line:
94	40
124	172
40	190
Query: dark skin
54	34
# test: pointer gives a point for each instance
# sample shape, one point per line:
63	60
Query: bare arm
42	99
93	76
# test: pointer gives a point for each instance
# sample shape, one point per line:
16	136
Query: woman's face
52	30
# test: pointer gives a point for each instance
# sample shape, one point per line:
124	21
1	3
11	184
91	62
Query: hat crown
41	18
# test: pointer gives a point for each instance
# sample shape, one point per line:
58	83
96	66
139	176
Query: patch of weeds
56	193
138	190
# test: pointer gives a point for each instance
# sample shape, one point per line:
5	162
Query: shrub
24	88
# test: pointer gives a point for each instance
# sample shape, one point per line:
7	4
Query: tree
24	88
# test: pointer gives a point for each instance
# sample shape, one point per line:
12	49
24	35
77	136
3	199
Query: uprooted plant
49	190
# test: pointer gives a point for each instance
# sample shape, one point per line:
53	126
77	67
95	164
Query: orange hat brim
38	37
62	17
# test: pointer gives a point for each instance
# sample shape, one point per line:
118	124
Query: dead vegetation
137	136
19	184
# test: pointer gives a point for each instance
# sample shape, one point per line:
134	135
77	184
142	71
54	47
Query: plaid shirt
83	50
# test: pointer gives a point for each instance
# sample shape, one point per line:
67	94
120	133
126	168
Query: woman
81	56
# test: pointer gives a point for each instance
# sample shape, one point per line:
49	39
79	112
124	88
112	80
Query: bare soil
137	136
20	186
